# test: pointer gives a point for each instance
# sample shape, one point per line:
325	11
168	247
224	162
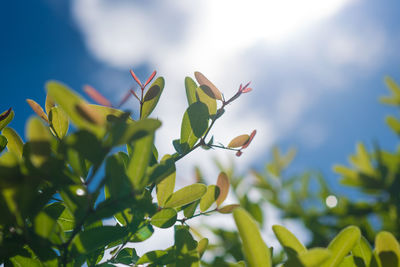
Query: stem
196	215
141	101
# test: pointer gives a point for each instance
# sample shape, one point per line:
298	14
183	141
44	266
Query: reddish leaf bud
150	78
136	78
239	153
96	96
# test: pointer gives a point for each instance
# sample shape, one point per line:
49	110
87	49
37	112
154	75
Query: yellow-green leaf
312	258
202	246
137	166
209	197
39	141
362	251
194	124
206	96
59	121
202	80
190	87
289	241
388	249
223	184
186	195
239	141
342	244
3	142
49	104
255	250
152	96
15	143
5	118
165	188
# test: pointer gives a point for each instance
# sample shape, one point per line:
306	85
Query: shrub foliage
58	188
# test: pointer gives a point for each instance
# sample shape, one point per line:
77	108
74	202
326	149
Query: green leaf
123	132
143	233
15	143
95	238
194	123
190	87
223	184
165	188
127	256
117	181
158	172
66	220
362	251
158	257
209	197
165	218
311	258
206	96
186	248
342	244
289	241
58	120
20	260
44	224
6	117
255	250
137	165
190	209
152	96
202	246
39	141
348	261
186	195
3	142
388	249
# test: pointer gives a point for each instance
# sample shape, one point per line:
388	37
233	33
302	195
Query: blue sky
316	67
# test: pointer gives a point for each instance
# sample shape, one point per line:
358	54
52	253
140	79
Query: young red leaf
135	78
228	208
239	141
239	153
38	109
250	139
244	88
150	78
134	94
247	90
223	184
96	96
202	80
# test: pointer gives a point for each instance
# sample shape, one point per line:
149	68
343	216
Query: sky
316	67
